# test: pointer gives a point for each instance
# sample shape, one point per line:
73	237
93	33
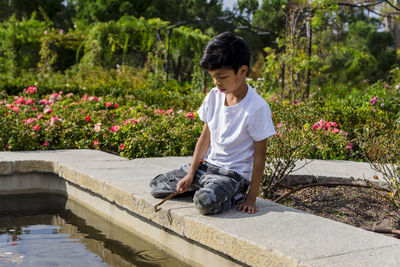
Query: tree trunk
309	35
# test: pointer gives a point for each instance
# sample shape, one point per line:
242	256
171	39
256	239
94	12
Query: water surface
37	230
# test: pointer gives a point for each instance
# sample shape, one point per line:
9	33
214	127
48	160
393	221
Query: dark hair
225	50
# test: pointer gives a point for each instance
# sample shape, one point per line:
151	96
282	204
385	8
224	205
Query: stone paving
276	236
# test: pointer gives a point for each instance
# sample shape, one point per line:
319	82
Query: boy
237	122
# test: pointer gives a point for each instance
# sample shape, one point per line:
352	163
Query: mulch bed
360	207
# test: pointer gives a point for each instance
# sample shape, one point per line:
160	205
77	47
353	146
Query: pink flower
115	128
350	147
116	105
55	96
29	101
97	127
190	115
93	98
44	101
129	121
84	97
30	120
7	146
30	90
160	111
373	100
87	118
40	116
45	143
34	109
36	127
47	110
52	120
82	111
122	147
1	103
12	107
96	142
15	109
20	100
324	125
296	102
108	104
279	125
169	111
331	124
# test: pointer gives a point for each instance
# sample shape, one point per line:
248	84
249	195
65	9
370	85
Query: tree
247	8
170	10
56	11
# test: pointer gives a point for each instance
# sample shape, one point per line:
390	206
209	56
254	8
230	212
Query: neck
237	96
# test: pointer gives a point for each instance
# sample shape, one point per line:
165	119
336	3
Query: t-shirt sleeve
204	110
260	125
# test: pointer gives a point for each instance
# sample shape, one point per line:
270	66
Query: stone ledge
277	235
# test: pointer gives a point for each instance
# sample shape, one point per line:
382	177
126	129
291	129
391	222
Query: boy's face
227	81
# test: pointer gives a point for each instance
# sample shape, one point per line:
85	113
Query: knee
158	187
154	192
206	202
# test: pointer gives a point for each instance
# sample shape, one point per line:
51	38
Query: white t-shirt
233	129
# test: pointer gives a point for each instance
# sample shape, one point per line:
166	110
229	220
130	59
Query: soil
360	207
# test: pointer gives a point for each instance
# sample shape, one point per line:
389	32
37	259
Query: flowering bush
298	137
330	142
131	125
119	125
381	148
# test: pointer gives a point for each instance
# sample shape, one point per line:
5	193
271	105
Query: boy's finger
179	188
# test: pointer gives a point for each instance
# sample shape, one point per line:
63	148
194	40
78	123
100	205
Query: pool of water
37	230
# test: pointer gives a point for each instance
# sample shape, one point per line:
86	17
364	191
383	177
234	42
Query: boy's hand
184	184
248	206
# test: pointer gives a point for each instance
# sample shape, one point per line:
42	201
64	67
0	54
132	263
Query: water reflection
37	230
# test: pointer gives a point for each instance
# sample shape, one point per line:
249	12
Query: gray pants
216	189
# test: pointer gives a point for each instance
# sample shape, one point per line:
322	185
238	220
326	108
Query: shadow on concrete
264	207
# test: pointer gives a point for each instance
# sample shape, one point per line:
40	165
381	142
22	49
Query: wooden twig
286	186
157	206
331	184
383	231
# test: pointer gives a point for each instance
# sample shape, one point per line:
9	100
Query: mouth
221	90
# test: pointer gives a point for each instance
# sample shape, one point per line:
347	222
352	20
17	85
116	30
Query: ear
243	70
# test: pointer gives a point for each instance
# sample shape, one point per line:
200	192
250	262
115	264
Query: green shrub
63	121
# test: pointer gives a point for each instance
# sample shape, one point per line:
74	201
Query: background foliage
123	76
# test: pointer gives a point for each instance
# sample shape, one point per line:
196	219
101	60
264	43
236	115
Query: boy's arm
249	204
199	152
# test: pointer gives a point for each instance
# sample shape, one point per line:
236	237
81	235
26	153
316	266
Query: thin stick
331	184
157	207
383	230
